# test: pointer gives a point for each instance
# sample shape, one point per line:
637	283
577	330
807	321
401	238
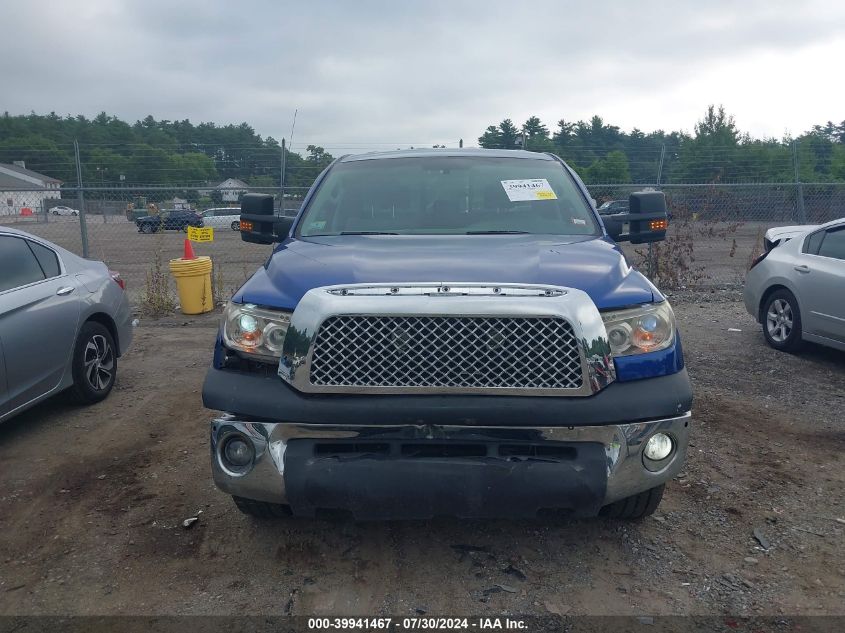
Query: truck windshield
448	195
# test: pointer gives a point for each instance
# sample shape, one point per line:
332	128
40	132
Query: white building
23	191
230	190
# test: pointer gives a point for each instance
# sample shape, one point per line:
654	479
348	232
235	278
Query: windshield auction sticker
522	190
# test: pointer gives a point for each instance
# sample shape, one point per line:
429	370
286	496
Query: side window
812	243
833	244
18	265
47	258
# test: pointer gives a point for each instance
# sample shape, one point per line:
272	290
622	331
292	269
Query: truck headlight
646	328
256	331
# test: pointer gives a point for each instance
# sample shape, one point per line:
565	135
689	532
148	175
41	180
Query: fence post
799	187
83	227
282	179
652	256
660	164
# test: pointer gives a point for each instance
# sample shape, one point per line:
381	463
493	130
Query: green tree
491	139
612	169
537	136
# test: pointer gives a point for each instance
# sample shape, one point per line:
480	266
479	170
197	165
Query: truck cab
448	332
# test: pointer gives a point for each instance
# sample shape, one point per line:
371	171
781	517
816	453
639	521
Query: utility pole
83	227
282	180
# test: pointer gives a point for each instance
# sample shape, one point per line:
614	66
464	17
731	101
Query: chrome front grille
446	353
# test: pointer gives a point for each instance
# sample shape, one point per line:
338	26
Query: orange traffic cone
189	250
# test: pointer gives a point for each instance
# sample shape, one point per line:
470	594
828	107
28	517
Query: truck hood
594	265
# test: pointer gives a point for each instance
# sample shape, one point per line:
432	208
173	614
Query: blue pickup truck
448	332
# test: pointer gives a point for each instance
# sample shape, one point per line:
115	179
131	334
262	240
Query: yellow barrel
193	280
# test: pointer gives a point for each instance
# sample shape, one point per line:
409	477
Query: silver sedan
796	289
64	322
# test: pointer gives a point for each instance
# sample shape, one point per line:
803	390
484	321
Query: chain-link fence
715	229
718	227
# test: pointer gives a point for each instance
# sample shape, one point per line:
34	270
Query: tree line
152	151
164	152
716	151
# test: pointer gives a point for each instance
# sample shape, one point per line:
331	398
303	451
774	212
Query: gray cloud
399	73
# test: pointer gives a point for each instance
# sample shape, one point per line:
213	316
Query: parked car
447	332
62	210
64	322
796	288
612	207
227	216
171	220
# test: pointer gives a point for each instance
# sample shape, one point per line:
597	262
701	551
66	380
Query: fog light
658	447
238	452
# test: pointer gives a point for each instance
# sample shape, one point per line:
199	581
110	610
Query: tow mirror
647	219
259	223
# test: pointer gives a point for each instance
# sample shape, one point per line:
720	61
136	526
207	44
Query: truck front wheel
261	509
636	506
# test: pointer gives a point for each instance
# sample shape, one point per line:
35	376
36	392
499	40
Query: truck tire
634	507
261	509
781	319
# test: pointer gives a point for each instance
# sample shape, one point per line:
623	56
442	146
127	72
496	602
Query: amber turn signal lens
658	225
246	226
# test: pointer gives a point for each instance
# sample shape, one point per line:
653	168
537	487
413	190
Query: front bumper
421	471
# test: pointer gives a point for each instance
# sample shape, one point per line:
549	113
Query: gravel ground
93	499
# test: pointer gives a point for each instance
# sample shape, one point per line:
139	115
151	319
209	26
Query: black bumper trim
396	487
269	398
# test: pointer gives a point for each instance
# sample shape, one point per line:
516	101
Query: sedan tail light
118	279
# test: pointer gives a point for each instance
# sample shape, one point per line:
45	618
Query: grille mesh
446	352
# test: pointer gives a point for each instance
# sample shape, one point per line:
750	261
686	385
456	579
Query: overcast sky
396	72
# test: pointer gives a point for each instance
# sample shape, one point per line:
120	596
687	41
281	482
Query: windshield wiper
497	232
367	233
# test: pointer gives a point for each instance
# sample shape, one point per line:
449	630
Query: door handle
64	290
802	268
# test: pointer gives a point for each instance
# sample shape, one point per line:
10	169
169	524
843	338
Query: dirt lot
93	498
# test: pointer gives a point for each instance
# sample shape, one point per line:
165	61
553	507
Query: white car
795	289
62	210
225	216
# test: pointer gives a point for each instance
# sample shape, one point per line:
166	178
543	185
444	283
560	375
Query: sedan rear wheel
94	363
236	226
782	321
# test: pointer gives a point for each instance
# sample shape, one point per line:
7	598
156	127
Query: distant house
230	190
23	191
180	203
